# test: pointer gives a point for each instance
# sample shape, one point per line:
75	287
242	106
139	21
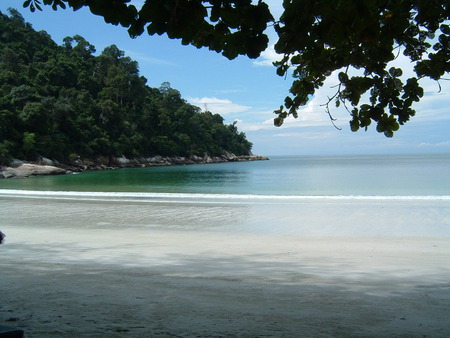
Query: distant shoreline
44	166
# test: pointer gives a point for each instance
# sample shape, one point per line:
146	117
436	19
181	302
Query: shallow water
374	175
395	196
303	217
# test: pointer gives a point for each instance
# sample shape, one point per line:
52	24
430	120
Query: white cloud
148	59
314	112
218	106
253	120
439	144
435	104
229	91
268	57
304	135
436	99
246	126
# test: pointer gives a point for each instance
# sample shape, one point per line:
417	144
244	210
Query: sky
248	91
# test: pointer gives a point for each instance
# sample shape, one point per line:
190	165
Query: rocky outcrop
19	169
101	163
30	169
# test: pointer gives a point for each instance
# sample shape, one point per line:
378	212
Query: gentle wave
198	196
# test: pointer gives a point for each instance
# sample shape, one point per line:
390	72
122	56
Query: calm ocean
392	195
351	175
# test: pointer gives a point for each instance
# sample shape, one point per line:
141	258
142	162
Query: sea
411	175
404	195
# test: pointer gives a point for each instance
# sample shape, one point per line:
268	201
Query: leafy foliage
63	101
316	39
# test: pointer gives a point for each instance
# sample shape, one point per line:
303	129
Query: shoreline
124	268
44	166
249	286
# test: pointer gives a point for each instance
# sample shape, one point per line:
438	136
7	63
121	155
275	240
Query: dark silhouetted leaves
335	36
315	38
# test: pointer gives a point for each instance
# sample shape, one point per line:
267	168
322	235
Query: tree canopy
316	38
63	102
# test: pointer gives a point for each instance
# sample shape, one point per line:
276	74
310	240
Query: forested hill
65	102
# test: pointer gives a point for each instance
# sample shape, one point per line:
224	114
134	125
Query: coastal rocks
102	163
28	169
252	158
44	166
229	156
46	161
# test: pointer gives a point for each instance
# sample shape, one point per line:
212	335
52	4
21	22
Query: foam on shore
198	197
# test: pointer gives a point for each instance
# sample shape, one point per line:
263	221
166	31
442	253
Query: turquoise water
407	195
371	175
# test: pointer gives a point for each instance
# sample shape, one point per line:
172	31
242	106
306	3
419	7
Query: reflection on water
308	217
88	214
383	175
192	178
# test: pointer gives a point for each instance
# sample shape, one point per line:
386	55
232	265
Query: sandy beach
90	268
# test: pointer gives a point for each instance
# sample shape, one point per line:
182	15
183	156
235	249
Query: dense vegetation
356	40
63	102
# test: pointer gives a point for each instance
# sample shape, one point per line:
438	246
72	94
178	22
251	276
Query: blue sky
249	91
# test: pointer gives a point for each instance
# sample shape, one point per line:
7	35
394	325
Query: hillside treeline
63	101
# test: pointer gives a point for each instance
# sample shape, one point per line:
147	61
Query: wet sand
69	280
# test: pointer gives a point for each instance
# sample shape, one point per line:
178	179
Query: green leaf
354	125
389	133
445	29
395	72
343	77
278	121
288	102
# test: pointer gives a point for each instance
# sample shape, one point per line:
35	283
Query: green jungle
65	102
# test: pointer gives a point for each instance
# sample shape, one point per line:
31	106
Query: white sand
70	280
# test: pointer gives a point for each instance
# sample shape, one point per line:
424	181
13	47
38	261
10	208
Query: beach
103	267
